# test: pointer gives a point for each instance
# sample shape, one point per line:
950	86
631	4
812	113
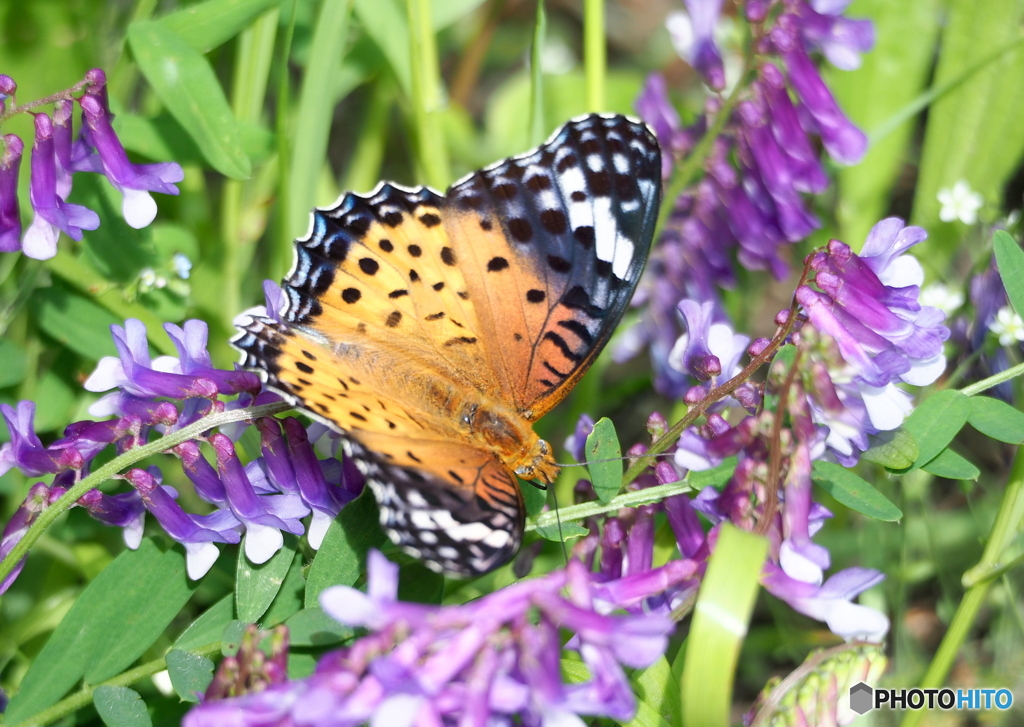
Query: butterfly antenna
558	519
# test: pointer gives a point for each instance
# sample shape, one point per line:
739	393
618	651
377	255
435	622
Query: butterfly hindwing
555	241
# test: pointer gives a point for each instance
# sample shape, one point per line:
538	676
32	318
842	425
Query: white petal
109	374
166	365
887	406
40	242
138	207
107	405
675	356
132	532
261	542
853	621
797	566
398	710
903	271
199	558
349	606
554	717
162	681
692	461
925	372
318	528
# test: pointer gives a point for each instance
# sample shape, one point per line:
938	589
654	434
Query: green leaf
715	477
204	26
342	555
190	673
385	21
952	466
659	689
720	621
852	491
533	497
976	131
289	598
896	450
186	84
256	586
569	531
892	75
74	321
446	12
1010	260
115	619
997	419
419	584
313	627
536	118
231	637
121	707
603	444
14	366
209	626
935	421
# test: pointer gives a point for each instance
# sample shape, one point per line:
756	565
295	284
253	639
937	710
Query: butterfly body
433	330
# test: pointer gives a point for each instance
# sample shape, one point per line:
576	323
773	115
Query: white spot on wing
604	228
623	256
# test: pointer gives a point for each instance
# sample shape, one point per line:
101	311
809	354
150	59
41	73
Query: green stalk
364	168
116	465
426	96
536	130
83	697
980	386
1008	520
595	61
254	54
591	509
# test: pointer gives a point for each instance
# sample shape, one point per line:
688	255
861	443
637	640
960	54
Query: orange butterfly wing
404	307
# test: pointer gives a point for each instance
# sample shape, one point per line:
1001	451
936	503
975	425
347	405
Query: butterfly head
538	464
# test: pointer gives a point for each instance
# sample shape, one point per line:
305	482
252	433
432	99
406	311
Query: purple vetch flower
10	210
831	601
693	38
495	660
841	40
134	372
7	89
134	181
194	359
869	307
38	498
197	533
654	107
576	442
52	213
124	510
26	452
799	557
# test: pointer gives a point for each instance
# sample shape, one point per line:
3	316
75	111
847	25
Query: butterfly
433	329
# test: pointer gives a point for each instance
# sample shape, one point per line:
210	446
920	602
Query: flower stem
1008	519
584	510
426	96
595	59
669	438
116	465
52	98
980	386
81	698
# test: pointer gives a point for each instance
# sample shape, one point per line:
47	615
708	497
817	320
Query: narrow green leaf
186	84
313	627
935	421
118	616
121	707
443	14
896	450
537	125
952	466
852	491
714	477
386	22
603	444
427	101
342	555
720	621
190	673
74	321
256	586
209	626
14	369
289	598
658	688
997	419
569	531
595	53
1010	259
204	26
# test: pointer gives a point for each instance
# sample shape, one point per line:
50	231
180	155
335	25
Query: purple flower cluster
55	158
494	661
263	498
750	199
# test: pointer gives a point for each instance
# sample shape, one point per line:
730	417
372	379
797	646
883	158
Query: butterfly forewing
407	312
556	240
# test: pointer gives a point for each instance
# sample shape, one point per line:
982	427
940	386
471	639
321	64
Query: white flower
941	296
1008	326
182	265
959	203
